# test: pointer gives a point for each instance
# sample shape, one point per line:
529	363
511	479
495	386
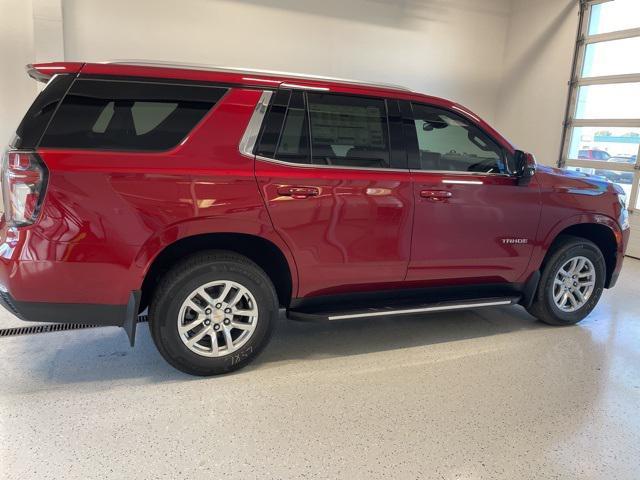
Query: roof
248	78
44	71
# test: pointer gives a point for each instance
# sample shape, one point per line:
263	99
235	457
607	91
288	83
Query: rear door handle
298	192
435	195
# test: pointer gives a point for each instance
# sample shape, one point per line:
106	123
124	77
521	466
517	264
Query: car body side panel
355	235
107	215
483	232
572	199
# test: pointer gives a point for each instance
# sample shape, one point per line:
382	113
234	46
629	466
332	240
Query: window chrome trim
250	136
333	167
400	170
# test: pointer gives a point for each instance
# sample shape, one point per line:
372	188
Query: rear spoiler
42	72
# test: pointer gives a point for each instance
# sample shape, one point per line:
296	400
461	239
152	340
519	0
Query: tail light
24	179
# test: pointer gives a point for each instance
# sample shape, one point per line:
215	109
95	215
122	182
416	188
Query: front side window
128	115
348	131
449	142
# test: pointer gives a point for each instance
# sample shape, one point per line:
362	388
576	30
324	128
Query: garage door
602	134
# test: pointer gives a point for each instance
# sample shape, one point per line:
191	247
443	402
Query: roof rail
251	71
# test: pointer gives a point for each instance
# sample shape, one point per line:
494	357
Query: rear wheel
213	314
571	283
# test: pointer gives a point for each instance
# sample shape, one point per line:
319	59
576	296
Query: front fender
544	243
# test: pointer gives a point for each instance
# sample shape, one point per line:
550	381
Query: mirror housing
525	167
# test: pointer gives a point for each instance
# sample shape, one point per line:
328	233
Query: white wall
539	53
450	48
30	31
16	50
509	60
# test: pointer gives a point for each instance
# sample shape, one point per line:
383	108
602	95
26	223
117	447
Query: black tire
565	248
184	278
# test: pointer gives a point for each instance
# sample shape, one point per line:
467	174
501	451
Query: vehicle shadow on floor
302	340
103	354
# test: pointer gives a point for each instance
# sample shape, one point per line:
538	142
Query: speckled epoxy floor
486	394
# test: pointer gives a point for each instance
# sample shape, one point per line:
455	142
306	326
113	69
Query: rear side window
348	131
128	115
35	121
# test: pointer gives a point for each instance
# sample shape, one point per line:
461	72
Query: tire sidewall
559	259
165	317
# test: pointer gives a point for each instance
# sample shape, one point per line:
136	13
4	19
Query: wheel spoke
572	299
198	336
579	296
251	312
206	297
557	296
238	296
580	264
214	342
194	306
557	281
225	291
191	325
227	338
242	325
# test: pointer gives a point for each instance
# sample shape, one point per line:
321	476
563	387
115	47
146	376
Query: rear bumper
42	281
88	314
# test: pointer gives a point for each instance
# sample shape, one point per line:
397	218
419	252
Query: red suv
216	197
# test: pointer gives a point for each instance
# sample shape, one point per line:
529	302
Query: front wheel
571	284
213	314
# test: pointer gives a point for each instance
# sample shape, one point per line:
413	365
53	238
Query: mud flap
131	319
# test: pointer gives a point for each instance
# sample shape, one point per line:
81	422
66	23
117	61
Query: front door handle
435	195
298	192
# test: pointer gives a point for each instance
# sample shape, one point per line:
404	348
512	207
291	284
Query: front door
473	222
324	165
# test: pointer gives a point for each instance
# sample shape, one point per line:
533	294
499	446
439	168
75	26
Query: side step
398	309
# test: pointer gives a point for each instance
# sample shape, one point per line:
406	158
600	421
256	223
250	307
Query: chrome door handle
298	192
435	195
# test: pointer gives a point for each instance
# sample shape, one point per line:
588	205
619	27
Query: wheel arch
602	233
266	254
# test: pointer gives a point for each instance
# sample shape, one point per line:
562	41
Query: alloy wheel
574	283
217	318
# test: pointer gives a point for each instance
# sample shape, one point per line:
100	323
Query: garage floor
480	394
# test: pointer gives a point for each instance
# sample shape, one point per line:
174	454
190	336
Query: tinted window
272	125
294	140
348	131
128	115
448	142
35	121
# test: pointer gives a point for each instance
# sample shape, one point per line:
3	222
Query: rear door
332	170
473	222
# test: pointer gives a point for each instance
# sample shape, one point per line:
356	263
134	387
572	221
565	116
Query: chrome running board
406	309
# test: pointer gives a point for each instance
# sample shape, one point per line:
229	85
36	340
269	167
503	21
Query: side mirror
525	167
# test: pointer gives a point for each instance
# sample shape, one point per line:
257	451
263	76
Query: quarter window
128	115
449	142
